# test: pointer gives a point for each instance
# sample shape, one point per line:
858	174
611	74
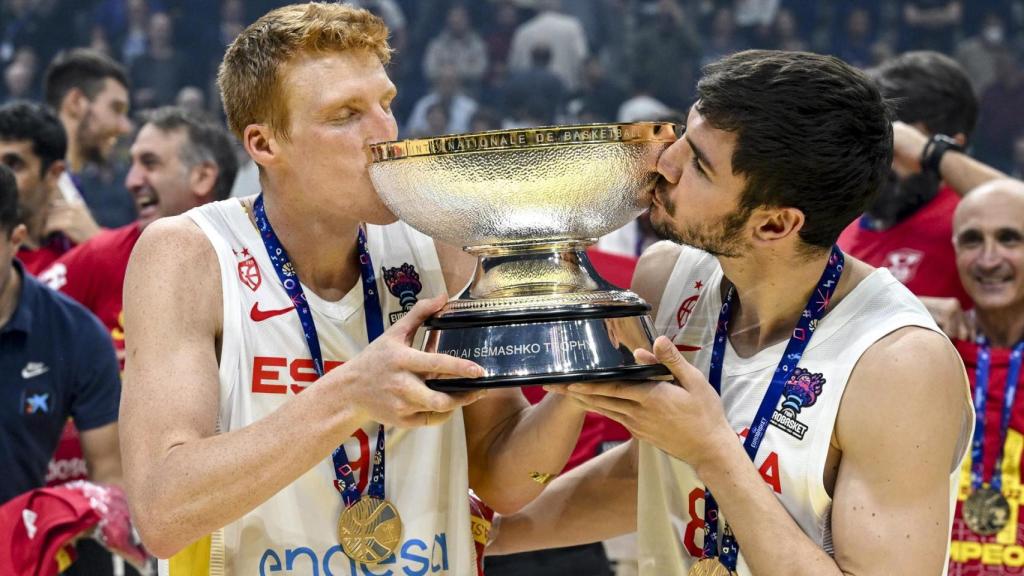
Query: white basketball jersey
265	361
792	455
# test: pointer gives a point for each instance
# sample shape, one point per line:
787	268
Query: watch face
933	151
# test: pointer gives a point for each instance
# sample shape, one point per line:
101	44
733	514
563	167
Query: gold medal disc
370	530
709	567
986	511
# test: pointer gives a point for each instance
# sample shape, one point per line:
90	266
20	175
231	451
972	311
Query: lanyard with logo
369	529
986	510
711	562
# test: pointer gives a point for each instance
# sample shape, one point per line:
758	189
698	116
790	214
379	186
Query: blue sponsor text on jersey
414	558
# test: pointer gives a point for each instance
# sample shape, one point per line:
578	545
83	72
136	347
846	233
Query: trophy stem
533	270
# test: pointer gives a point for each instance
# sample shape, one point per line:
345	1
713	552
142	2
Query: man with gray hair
179	161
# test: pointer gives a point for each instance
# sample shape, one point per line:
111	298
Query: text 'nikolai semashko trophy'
527	203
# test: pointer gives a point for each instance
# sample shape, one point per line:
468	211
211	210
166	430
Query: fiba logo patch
403	283
801	391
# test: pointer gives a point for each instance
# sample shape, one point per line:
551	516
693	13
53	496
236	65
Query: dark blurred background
489	64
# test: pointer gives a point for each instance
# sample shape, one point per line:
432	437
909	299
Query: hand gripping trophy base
542	315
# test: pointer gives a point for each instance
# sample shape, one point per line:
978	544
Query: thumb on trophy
423	309
667	353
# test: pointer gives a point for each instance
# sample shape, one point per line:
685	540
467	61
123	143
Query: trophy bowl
527	203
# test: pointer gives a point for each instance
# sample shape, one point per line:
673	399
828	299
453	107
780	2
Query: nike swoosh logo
258	315
33	371
687	348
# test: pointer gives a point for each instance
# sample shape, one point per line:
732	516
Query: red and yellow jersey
1003	553
918	251
38	259
93	274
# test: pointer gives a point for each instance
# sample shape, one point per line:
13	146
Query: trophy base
557	345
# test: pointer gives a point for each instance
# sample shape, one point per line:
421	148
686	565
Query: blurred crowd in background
468	66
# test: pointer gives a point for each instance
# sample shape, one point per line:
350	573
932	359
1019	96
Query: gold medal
710	567
986	511
370	530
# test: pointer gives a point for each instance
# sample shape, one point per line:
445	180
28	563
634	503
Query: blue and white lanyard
981	375
346	482
813	312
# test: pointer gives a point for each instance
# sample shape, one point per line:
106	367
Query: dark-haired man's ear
961	139
54	172
260	143
18	236
202	181
74	104
774	224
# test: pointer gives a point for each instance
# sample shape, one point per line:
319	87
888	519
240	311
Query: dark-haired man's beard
898	199
90	141
721	238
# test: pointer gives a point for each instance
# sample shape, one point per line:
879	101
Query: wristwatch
931	156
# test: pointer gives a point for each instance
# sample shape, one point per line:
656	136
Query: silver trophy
527	203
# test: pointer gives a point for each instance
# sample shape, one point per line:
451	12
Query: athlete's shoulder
656	266
912	375
174	240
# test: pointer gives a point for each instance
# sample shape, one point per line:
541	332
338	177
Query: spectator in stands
160	72
562	33
754	19
232	21
32	146
136	36
536	92
485	119
855	40
19	77
642	105
1017	171
192	99
19	28
89	92
448	93
1001	115
598	96
666	54
501	29
785	35
722	40
460	47
907	228
979	54
931	24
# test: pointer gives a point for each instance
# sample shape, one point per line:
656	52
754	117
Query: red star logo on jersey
248	270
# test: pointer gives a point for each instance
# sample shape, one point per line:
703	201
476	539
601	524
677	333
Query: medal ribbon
345	478
813	312
981	375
